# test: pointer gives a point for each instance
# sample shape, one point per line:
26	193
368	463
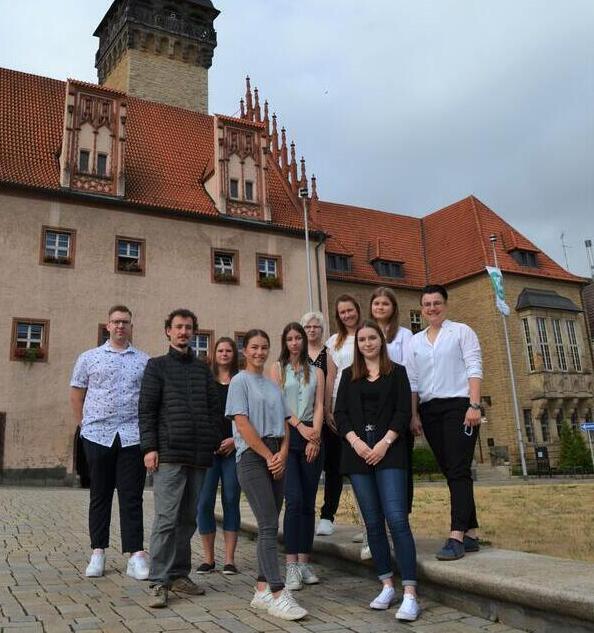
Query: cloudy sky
399	105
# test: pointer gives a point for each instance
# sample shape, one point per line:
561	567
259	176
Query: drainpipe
322	240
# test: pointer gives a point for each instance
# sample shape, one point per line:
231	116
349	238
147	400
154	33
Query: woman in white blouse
340	348
445	371
383	309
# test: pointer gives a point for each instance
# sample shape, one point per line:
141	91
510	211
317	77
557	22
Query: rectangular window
102	165
238	336
249	190
225	266
543	341
201	343
525	258
415	321
269	271
557	335
29	340
528	341
338	263
559	421
102	334
528	428
130	256
574	348
57	246
83	161
234	188
544	426
388	269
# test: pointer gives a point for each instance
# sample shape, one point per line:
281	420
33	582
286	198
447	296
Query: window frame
529	346
210	335
105	174
416	313
336	269
88	153
245	186
100	329
574	346
528	425
378	263
142	257
44	346
559	345
543	343
545	423
234	180
279	272
45	229
240	354
219	278
524	258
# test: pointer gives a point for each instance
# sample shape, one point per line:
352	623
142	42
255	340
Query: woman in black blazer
373	414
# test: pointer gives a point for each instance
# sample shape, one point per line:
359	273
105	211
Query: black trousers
110	468
332	477
443	425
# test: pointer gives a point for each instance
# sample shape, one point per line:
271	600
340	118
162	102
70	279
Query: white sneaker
308	576
293	577
383	600
286	607
138	566
409	609
262	599
359	537
365	553
96	566
325	528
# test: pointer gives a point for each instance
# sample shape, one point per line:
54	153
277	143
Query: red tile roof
169	150
355	231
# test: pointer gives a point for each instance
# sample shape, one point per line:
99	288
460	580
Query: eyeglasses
312	327
434	304
120	322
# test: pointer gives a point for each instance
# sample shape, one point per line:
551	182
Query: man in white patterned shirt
104	392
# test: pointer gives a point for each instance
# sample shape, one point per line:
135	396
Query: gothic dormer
158	50
93	140
238	183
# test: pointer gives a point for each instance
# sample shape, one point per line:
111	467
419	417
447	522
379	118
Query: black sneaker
452	550
471	544
229	569
205	568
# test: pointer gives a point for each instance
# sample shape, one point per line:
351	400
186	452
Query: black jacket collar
188	357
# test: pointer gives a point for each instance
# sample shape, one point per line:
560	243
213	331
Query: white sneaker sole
136	576
94	574
285	615
380	606
263	606
407	617
311	582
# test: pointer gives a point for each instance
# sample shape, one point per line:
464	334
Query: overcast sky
404	106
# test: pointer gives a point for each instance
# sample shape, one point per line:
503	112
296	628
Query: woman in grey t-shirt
260	430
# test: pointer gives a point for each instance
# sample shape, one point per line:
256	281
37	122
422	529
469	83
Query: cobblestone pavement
44	552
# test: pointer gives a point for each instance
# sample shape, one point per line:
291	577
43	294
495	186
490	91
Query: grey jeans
265	496
176	489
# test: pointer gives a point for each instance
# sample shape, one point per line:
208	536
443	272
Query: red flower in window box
29	354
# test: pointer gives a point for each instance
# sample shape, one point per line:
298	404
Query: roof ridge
479	228
368	209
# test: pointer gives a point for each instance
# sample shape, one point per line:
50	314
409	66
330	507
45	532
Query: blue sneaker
452	550
471	544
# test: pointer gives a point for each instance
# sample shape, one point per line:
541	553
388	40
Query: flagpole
493	239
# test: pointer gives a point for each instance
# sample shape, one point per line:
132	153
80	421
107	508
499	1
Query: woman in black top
373	414
224	366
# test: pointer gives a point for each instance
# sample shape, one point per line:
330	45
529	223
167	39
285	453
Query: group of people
350	406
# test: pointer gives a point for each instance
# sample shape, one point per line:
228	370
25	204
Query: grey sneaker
158	598
262	599
293	577
185	585
308	576
286	607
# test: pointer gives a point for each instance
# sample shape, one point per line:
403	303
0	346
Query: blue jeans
382	496
222	468
301	486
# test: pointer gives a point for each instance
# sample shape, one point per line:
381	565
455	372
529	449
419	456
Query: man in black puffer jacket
179	433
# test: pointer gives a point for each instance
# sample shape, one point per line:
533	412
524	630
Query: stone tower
158	50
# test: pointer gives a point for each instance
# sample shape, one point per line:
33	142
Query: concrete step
486	472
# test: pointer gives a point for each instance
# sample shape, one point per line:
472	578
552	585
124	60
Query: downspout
322	240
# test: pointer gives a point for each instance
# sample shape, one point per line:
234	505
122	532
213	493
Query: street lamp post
303	193
493	240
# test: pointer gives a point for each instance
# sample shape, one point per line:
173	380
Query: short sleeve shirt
262	401
112	379
342	358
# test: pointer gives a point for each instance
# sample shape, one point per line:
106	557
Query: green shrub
424	460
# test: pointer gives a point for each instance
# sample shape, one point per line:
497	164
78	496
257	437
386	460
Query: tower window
249	190
234	188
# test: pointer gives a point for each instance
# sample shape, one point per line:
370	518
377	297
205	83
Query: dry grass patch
555	519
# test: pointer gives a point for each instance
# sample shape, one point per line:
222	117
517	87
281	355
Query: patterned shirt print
112	379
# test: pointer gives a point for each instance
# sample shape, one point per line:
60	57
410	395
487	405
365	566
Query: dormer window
234	188
386	268
83	161
525	258
338	263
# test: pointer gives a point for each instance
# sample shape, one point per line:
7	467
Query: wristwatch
475	405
